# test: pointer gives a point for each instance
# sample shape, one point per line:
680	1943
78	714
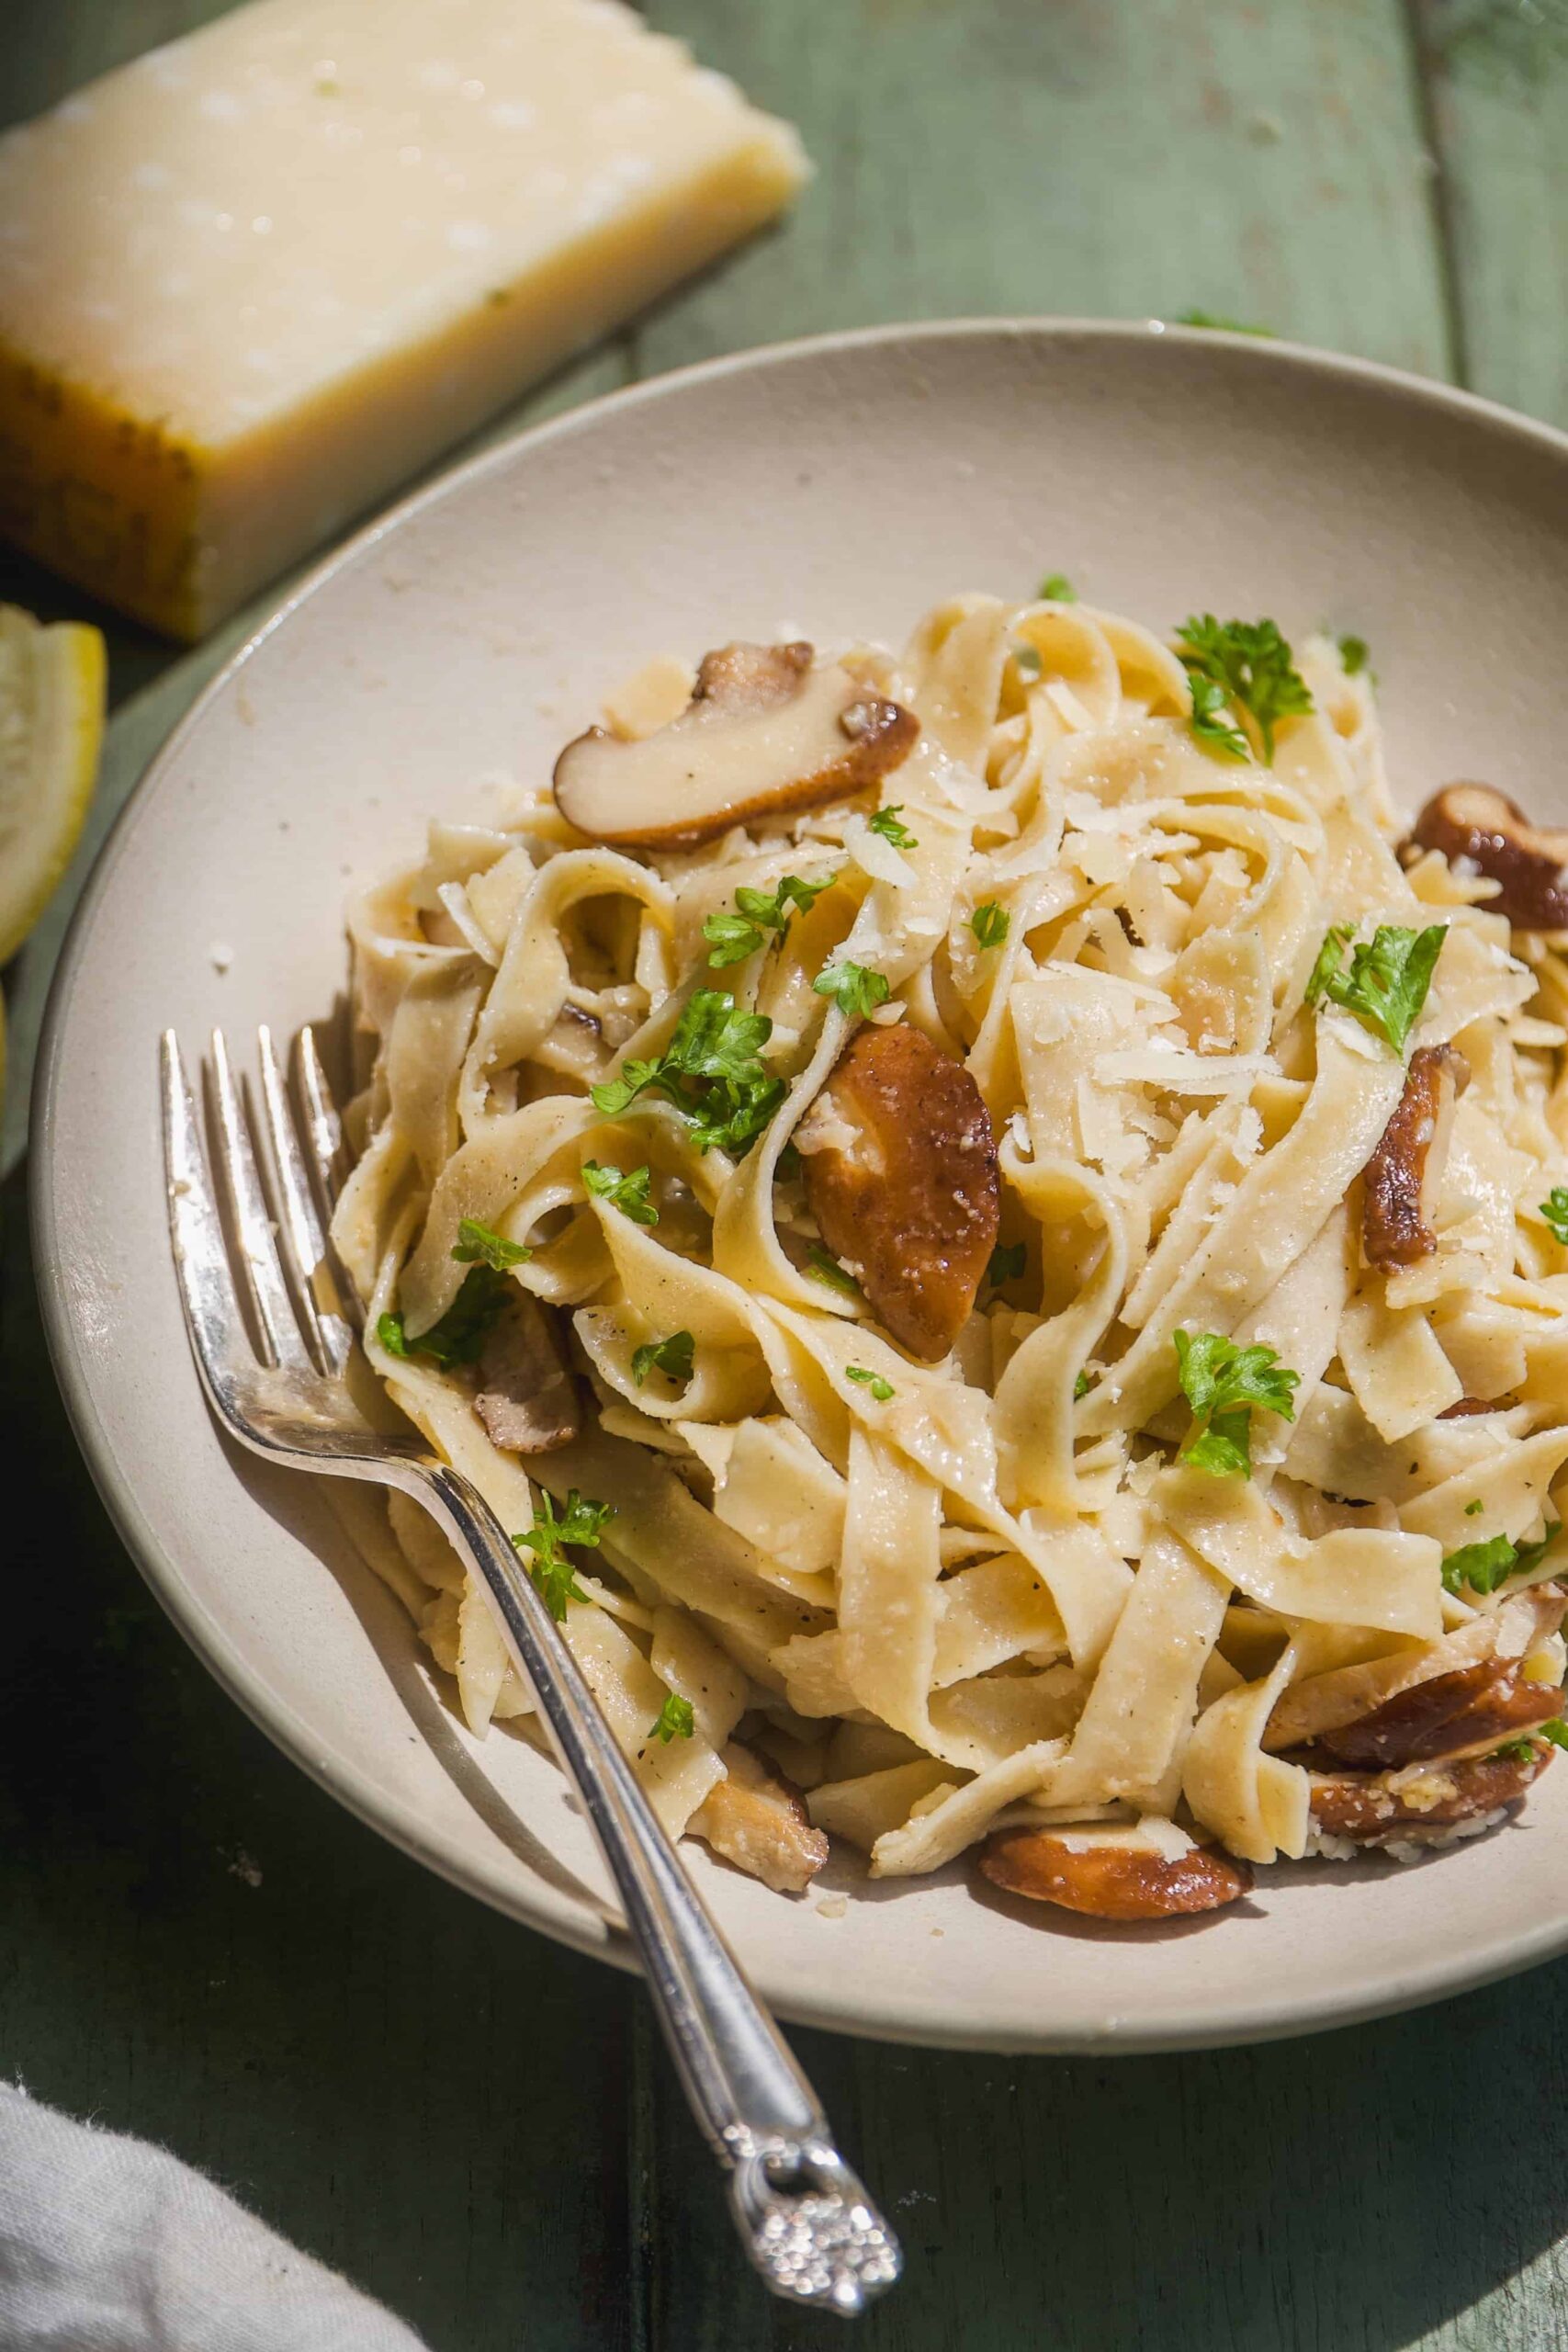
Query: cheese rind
253	281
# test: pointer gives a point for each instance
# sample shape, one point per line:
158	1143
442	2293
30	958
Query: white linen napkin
109	2245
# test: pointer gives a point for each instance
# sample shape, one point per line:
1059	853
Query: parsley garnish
1081	1386
1556	1731
1485	1566
1209	722
885	822
711	1069
734	937
881	1389
989	923
1223	1383
556	1577
673	1355
1352	655
1218	324
1554	1209
627	1193
853	989
1026	660
476	1243
1251	664
1057	589
676	1720
458	1335
1386	985
1008	1262
1473	1510
827	1269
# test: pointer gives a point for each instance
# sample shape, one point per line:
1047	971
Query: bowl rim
1261	2017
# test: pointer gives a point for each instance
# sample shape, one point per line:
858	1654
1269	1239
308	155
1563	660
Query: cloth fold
109	2244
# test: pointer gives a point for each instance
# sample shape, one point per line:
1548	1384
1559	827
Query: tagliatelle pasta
994	1232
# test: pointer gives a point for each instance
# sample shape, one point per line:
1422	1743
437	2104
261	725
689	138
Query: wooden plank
1497	98
198	1945
1103	157
1334	2195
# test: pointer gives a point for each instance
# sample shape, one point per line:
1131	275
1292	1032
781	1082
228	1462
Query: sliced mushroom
1529	861
902	1183
1468	1407
1373	1808
1309	1711
1400	1184
1112	1881
764	733
526	1397
1477	1707
758	1821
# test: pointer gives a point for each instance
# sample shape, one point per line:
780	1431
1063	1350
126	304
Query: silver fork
805	2219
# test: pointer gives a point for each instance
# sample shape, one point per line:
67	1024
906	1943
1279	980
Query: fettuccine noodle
943	1539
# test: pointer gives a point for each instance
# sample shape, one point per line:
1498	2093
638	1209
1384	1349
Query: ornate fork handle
808	2223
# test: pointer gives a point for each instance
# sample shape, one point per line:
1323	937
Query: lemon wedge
52	729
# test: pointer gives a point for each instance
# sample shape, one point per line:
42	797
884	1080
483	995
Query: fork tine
304	1242
323	1128
201	1255
252	1221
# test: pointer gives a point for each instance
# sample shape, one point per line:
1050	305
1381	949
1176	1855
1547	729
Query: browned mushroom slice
756	1820
526	1397
1479	1705
900	1167
764	733
1109	1881
1474	820
1373	1807
1401	1179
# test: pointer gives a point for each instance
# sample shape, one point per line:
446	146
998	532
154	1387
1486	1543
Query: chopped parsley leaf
733	937
673	1355
556	1577
1217	323
991	923
1390	974
1485	1566
1026	660
827	1269
675	1721
880	1388
1252	665
458	1336
1472	1511
1209	722
711	1069
1554	1209
854	988
1057	589
627	1193
886	823
1223	1383
1081	1387
478	1244
1353	655
1008	1262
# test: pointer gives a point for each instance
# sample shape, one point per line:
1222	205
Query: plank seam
1441	195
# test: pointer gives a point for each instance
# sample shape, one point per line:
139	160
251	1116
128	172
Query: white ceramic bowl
825	490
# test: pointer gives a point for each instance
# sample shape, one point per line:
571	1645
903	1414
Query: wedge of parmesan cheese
254	279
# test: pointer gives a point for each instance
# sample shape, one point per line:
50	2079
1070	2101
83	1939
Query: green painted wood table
196	1944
